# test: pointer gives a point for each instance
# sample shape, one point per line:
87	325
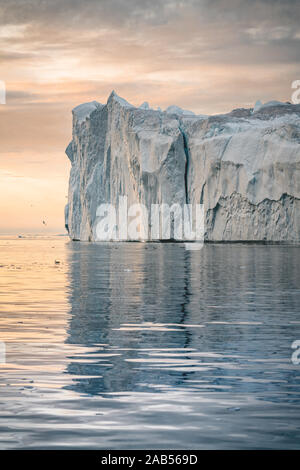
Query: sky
209	56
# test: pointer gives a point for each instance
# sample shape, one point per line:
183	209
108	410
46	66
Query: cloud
206	55
216	31
21	97
112	13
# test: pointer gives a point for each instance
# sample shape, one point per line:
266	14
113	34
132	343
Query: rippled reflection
148	345
160	317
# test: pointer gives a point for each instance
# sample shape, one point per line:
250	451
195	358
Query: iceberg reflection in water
129	345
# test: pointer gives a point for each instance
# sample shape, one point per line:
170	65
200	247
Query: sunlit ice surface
127	345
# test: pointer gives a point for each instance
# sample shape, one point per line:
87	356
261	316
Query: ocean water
150	346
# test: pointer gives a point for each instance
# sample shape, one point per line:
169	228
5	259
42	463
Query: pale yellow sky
207	56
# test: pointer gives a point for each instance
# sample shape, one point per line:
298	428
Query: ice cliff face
243	166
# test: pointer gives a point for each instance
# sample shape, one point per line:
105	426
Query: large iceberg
244	166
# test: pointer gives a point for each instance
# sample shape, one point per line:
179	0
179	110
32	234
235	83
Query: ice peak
145	105
259	105
84	110
113	97
173	109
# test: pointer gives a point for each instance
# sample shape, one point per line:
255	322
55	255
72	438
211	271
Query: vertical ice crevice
187	161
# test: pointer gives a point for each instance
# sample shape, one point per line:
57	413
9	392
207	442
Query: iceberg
243	167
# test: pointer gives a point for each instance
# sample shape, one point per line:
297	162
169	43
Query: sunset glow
209	57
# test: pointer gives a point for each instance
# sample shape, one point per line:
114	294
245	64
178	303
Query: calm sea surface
127	346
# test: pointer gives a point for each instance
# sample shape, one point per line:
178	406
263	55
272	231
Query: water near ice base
127	346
